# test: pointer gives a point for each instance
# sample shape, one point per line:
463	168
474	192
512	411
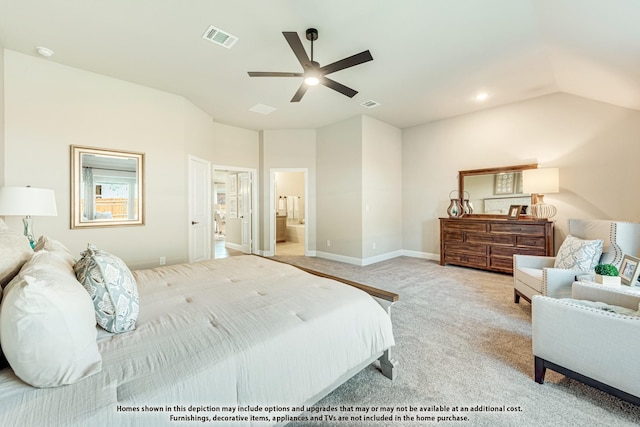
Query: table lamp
27	202
538	182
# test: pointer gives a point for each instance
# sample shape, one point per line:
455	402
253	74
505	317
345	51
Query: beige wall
50	106
359	191
381	190
595	145
339	190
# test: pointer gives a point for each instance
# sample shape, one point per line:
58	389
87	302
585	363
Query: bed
243	339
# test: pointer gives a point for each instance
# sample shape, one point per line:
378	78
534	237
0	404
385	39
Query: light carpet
460	342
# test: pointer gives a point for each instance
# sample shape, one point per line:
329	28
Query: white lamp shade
540	181
27	201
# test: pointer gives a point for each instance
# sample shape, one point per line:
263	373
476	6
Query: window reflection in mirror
106	187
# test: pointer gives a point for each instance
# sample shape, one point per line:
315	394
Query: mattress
241	337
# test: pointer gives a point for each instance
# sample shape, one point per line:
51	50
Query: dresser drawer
493	239
515	228
453	235
465	248
531	241
466	260
504	264
507	251
466	225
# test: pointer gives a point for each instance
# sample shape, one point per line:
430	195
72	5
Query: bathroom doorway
289	213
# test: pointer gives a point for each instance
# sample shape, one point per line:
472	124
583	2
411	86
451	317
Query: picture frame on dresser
629	270
514	211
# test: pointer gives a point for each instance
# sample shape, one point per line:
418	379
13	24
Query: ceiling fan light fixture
311	80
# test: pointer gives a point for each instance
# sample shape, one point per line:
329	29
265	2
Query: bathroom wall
290	184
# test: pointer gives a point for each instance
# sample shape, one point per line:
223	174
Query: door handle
194	222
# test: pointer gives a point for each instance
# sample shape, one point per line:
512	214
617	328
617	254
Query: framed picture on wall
629	270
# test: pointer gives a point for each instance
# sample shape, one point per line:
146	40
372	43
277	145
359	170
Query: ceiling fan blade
273	74
296	46
356	59
300	93
338	87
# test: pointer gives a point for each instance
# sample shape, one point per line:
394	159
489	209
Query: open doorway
233	198
289	214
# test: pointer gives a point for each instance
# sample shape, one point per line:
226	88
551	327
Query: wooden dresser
490	243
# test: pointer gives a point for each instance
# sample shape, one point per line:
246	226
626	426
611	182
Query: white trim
423	255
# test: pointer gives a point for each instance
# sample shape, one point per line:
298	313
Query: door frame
272	208
190	213
254	201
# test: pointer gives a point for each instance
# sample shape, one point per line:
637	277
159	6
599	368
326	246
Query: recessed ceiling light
262	109
482	96
44	51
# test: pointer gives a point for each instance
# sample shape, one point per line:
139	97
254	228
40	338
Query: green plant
606	270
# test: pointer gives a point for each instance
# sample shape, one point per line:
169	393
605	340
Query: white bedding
238	331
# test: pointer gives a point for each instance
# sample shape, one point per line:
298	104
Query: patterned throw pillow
112	288
579	254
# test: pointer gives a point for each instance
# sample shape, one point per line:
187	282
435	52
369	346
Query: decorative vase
467	206
455	209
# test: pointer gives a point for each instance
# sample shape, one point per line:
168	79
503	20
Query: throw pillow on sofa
47	325
578	254
112	288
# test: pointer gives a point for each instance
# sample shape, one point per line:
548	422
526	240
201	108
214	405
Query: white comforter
237	332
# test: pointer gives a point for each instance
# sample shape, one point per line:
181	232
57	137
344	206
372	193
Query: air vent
370	104
220	37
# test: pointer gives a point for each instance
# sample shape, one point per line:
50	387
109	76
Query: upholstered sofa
595	342
536	275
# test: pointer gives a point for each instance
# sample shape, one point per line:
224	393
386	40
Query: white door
244	210
199	209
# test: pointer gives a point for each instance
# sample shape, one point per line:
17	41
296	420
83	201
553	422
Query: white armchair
596	346
535	275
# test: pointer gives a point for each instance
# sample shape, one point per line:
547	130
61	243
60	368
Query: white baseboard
381	257
423	255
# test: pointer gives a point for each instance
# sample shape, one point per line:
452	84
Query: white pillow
15	250
47	324
54	246
578	254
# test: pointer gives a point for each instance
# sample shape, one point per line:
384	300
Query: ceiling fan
313	72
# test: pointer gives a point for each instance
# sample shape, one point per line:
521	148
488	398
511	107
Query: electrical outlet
163	260
374	245
328	242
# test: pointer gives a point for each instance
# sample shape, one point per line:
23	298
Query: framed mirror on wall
493	191
107	187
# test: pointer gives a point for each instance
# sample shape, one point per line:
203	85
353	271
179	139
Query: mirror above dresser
491	191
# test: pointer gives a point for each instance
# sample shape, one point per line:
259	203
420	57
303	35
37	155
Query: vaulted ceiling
431	57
